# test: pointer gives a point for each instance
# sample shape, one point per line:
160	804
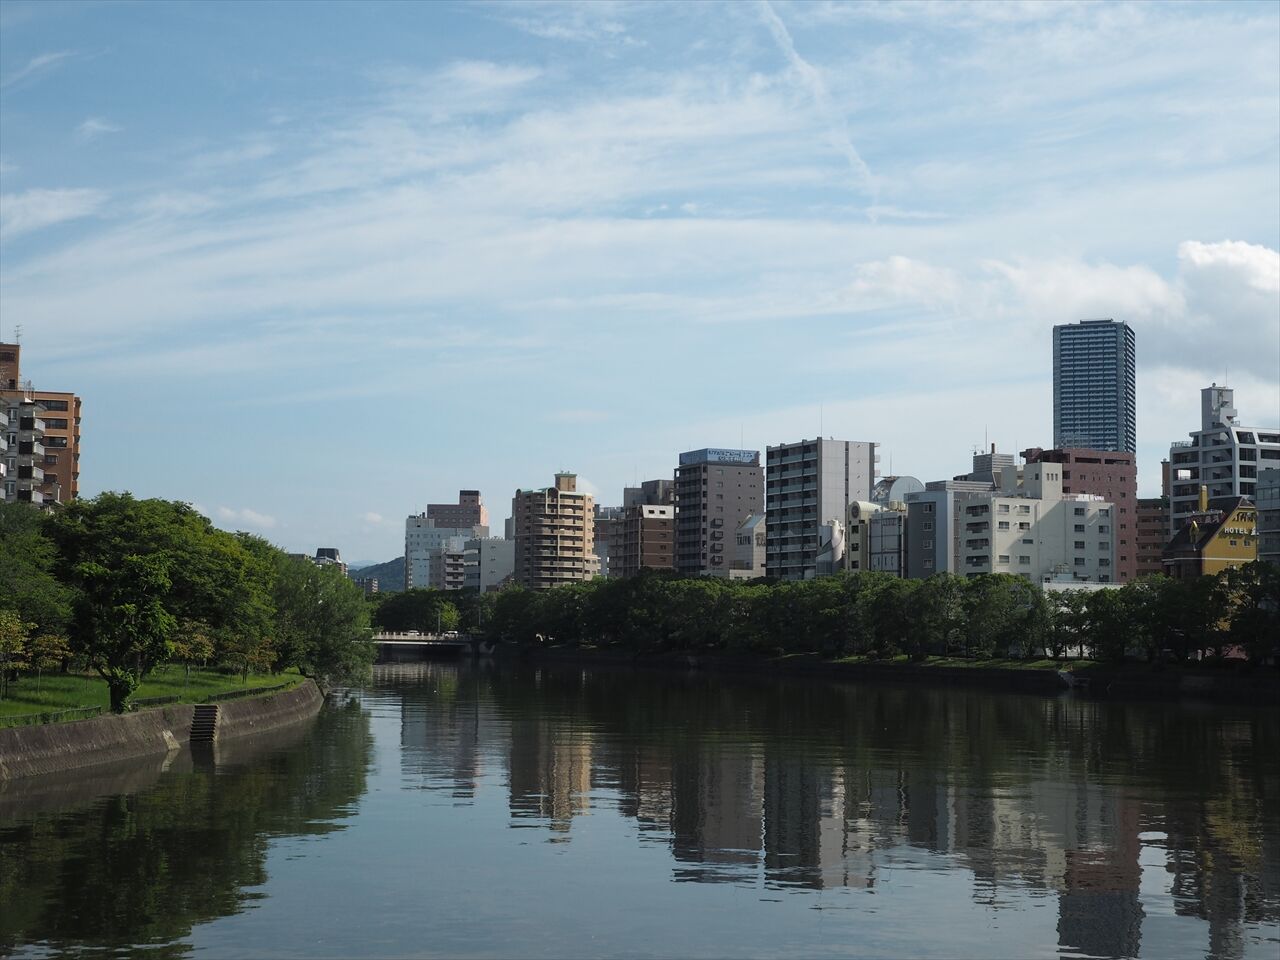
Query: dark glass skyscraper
1094	388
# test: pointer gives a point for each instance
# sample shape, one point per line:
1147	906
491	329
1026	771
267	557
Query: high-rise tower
1094	386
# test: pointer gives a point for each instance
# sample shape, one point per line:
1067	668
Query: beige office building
554	532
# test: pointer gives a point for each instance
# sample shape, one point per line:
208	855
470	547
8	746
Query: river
481	810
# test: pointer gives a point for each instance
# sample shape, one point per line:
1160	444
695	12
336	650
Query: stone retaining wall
54	747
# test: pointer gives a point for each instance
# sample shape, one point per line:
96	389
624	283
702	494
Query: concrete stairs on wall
204	723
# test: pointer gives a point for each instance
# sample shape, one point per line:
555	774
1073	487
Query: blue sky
312	267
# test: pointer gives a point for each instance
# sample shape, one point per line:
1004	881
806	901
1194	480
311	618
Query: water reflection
517	811
803	786
86	865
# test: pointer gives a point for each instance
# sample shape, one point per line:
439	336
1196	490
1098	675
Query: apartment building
1029	527
468	512
1111	475
749	549
554	534
808	484
25	478
490	563
715	491
1222	456
60	412
935	521
1151	535
1267	500
653	492
424	540
608	519
644	539
1095	386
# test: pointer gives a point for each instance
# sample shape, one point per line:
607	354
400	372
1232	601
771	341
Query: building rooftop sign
714	455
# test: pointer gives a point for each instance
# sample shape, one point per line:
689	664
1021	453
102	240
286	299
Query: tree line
120	586
878	615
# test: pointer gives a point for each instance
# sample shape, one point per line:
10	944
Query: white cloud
34	66
34	209
95	127
371	517
251	519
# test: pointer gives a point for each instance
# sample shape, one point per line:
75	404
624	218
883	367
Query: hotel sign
714	455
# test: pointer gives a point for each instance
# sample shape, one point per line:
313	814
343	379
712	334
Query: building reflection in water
804	786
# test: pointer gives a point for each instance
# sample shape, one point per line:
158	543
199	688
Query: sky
312	267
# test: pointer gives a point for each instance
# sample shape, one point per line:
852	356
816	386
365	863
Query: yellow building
1222	533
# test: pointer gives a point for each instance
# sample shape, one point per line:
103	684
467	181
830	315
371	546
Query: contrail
839	127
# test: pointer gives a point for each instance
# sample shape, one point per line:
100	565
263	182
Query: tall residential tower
1094	386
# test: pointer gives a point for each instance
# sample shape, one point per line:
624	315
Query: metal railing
246	692
51	716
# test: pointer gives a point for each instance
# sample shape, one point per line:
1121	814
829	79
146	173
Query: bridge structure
411	645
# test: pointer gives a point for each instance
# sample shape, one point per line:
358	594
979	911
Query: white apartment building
1222	455
4	450
423	540
490	563
1030	528
748	553
809	484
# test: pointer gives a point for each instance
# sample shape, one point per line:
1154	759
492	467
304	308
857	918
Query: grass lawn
64	691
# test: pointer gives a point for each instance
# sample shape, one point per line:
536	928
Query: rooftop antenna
17	334
819	419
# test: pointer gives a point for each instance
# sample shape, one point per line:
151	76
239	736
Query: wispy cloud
371	517
95	127
838	124
595	22
36	65
34	209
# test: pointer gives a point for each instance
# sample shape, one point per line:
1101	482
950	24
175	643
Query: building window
1004	508
927	545
928	508
1023	525
1004	558
1024	560
1079	528
1024	509
1079	544
928	525
1079	511
1028	540
1103	528
1079	561
928	563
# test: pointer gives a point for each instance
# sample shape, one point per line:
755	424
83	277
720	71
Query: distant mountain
390	575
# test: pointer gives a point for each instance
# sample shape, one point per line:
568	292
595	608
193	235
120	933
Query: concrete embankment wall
56	747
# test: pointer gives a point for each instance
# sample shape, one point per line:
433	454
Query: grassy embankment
66	691
995	663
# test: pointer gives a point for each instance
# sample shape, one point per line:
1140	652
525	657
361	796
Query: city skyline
597	225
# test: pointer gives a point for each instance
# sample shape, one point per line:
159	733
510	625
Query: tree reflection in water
142	868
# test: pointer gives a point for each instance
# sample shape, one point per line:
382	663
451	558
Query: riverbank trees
132	584
877	615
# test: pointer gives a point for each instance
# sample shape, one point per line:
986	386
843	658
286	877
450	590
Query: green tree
321	623
1252	596
14	632
122	625
139	568
45	651
425	611
27	581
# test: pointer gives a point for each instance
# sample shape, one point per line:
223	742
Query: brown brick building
52	457
1112	475
1152	535
643	539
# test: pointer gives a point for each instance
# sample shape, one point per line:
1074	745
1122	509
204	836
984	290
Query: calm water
479	811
